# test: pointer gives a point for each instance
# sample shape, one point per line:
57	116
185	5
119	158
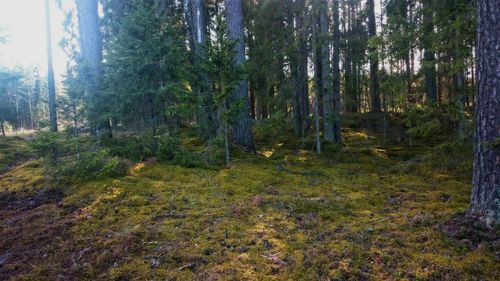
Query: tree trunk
91	53
429	64
372	29
485	199
407	61
195	16
50	73
3	127
336	73
302	90
460	83
326	94
242	125
317	84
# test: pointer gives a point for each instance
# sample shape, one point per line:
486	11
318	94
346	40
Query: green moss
12	150
283	214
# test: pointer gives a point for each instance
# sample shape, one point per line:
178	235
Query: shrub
272	128
214	153
49	146
136	148
167	147
171	150
436	122
95	165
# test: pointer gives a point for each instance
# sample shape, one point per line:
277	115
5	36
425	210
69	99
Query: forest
255	140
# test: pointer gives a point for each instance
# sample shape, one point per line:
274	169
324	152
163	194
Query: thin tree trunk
302	76
317	128
3	127
336	74
485	198
372	28
317	85
30	108
460	103
429	64
50	73
326	94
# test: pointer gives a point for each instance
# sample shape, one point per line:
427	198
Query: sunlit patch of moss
13	150
27	177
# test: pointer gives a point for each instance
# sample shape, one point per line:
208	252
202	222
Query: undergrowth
362	211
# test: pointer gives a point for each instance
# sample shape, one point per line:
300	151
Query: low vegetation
364	211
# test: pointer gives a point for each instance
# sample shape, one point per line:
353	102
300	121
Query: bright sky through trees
23	21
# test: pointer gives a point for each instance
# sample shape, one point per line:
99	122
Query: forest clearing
250	140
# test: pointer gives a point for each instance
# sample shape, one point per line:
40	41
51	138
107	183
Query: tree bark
485	199
242	125
326	94
91	54
302	89
317	83
336	73
197	25
50	72
3	127
374	87
429	64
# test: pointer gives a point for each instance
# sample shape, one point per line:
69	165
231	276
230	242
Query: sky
23	21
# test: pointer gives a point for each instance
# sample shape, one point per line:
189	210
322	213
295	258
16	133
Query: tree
146	66
336	73
50	72
302	92
485	199
7	107
374	88
90	40
325	88
242	126
195	13
429	63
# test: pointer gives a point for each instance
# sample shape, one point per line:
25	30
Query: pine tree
50	72
429	64
485	199
336	73
374	88
90	39
242	126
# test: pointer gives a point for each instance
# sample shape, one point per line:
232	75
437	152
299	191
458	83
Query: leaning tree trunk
242	125
374	94
50	73
485	199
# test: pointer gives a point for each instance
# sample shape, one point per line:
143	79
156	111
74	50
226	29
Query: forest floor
370	212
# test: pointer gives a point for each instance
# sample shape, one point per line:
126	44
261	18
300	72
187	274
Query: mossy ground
283	214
